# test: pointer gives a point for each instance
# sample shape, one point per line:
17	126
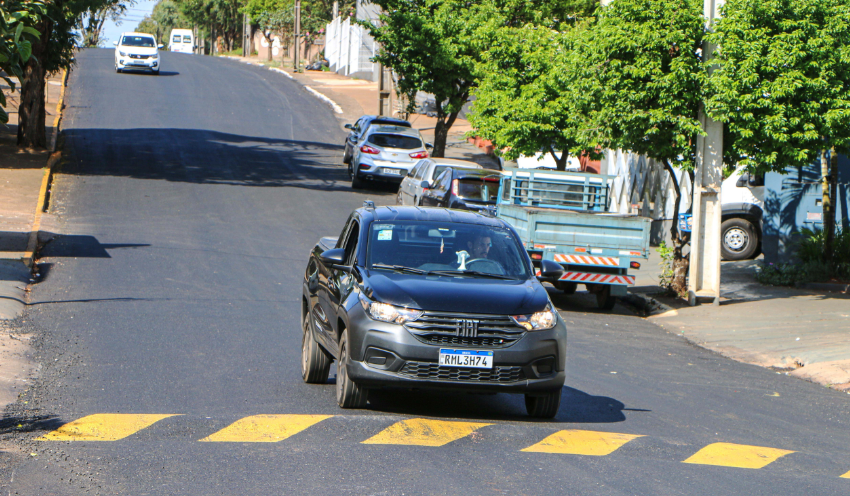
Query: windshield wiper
400	268
468	273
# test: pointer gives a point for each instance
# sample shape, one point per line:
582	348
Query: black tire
118	70
346	157
738	239
315	363
566	287
356	182
348	394
604	299
543	405
398	200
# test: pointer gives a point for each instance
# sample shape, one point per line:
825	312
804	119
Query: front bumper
386	355
128	64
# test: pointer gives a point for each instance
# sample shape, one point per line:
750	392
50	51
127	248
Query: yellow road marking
264	428
578	442
736	455
846	476
423	432
103	427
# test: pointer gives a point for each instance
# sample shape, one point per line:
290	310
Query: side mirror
160	46
348	126
550	270
425	185
429	145
743	180
756	180
334	258
115	43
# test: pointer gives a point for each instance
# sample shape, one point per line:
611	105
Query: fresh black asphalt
187	204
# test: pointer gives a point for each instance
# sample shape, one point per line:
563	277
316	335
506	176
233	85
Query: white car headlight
122	53
388	313
537	321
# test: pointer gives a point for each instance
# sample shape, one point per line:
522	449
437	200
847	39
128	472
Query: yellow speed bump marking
737	455
264	428
103	427
578	442
846	476
423	432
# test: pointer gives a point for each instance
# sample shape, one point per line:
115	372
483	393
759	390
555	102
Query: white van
181	40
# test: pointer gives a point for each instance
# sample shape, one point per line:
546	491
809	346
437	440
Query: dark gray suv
431	298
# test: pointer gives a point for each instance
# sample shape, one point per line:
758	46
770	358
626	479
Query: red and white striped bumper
588	278
587	260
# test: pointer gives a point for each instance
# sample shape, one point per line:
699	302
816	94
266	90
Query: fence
349	49
642	186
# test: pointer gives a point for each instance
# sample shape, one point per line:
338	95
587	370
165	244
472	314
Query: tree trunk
560	162
828	185
680	262
441	130
31	113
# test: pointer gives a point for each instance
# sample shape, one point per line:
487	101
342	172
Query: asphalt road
187	205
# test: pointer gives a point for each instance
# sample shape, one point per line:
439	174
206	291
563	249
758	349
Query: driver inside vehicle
479	247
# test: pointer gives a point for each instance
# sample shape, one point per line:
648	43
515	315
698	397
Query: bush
812	266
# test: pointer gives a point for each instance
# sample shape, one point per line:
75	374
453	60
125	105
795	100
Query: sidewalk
357	97
800	332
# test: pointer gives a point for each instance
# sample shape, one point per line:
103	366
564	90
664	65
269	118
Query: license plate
133	62
466	358
393	172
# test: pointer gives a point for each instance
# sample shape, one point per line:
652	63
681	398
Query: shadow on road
576	406
206	157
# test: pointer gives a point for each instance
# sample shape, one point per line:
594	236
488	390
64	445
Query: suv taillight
368	149
419	155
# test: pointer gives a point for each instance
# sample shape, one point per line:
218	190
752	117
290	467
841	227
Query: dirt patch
835	374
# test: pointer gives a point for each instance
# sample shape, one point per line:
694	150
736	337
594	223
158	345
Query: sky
129	21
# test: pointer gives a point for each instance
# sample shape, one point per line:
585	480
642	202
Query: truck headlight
385	312
537	321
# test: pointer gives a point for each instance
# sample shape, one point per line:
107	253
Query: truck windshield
446	249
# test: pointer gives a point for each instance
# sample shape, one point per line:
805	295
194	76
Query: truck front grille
431	370
490	331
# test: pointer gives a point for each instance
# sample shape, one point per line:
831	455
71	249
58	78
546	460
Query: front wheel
543	405
315	363
566	287
739	239
348	394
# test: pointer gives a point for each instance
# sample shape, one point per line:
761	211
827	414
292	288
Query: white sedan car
137	51
410	190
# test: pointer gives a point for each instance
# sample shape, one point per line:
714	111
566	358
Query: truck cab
742	203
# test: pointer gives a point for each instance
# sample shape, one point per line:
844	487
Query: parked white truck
742	203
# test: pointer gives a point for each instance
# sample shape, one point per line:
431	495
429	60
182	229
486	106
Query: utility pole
704	270
297	34
246	49
385	85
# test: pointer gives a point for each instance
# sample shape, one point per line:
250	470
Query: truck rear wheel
566	287
604	299
739	240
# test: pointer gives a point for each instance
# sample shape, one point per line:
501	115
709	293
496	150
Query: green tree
424	43
643	82
16	37
272	17
92	21
782	86
149	26
525	103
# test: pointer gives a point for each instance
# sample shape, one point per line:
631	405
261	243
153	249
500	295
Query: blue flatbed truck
562	216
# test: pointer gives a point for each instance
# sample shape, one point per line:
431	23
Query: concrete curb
32	242
336	108
825	286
